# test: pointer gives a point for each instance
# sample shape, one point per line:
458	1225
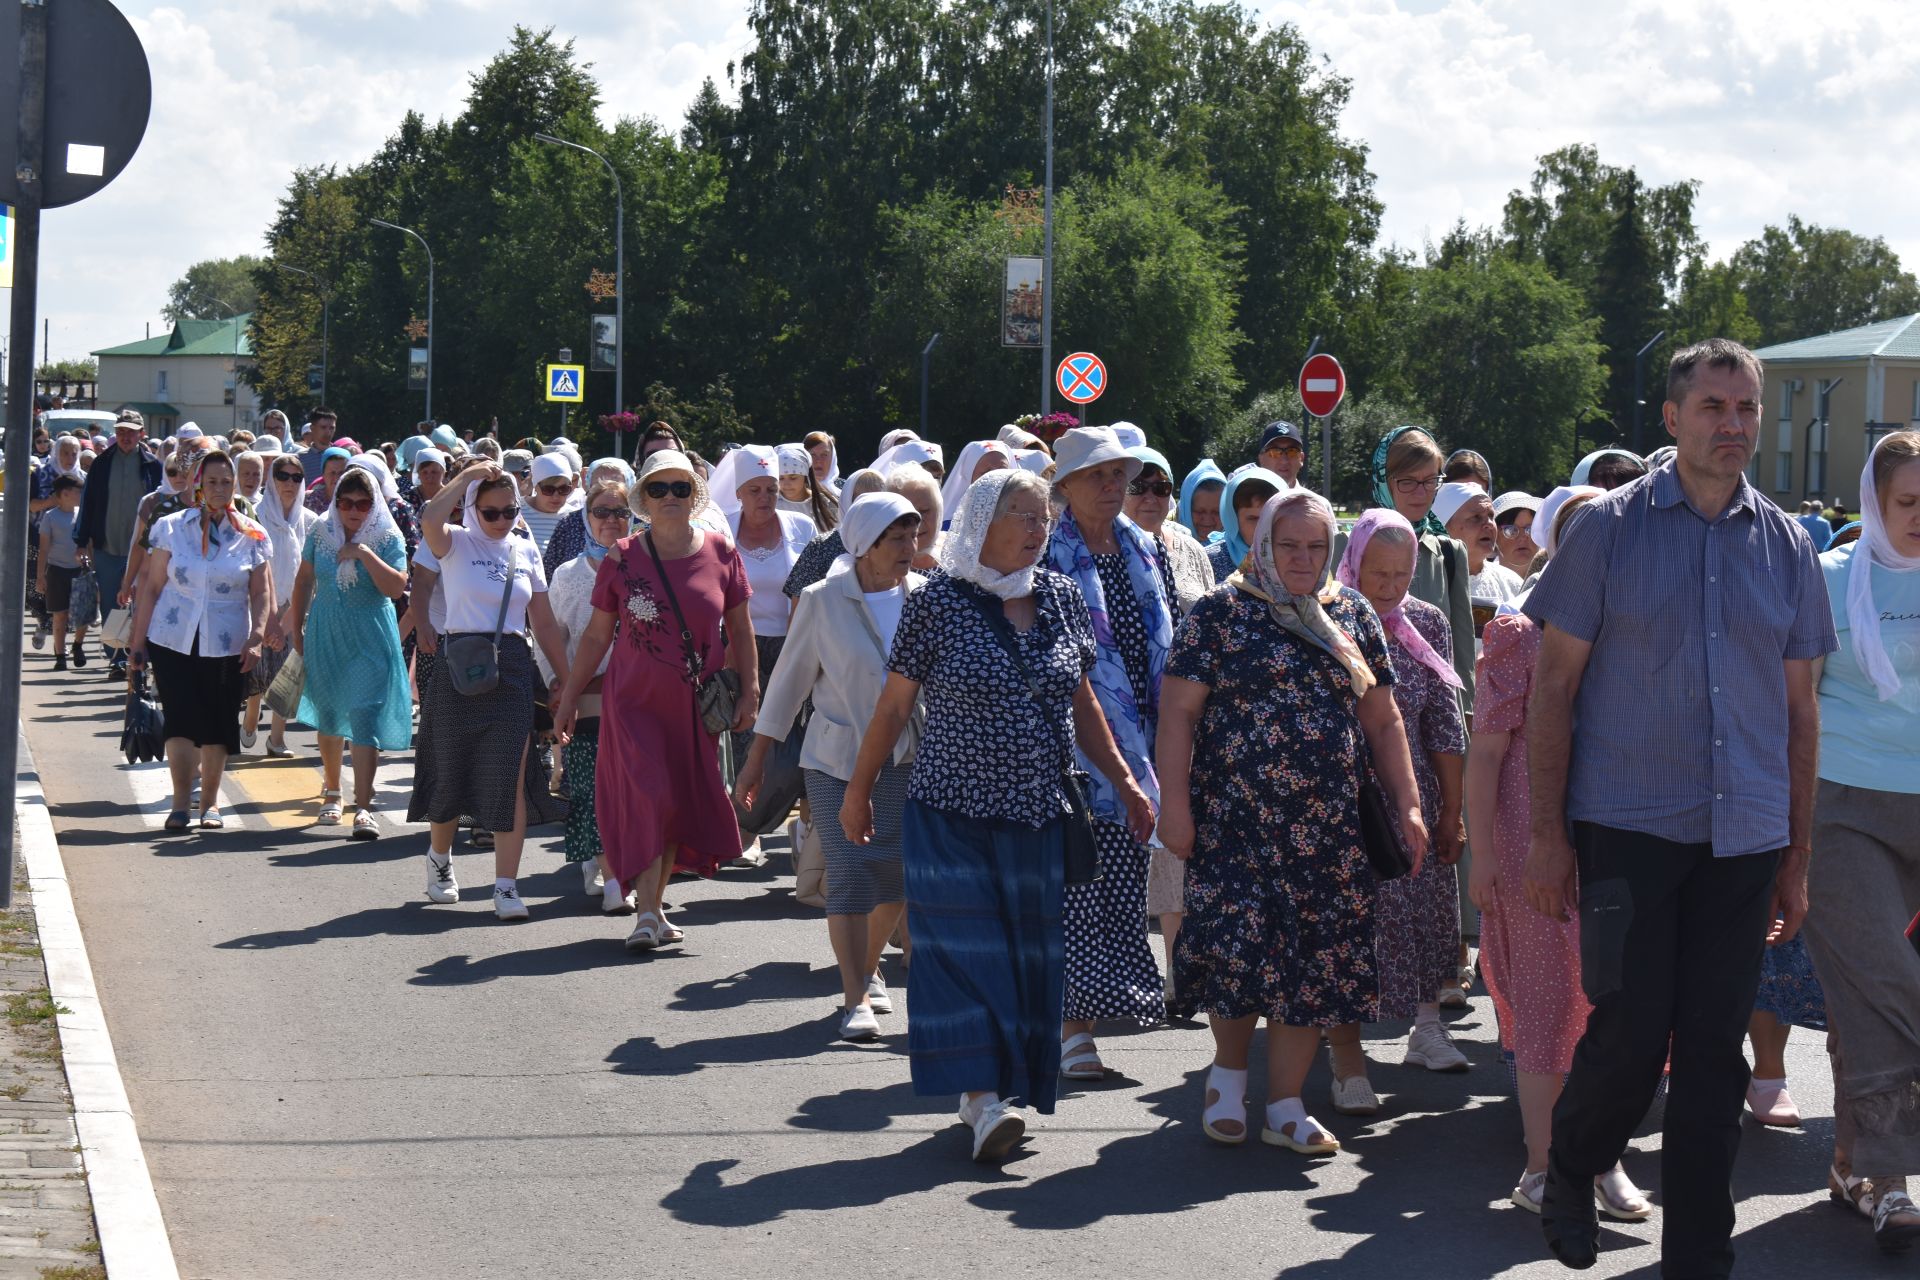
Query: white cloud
1775	109
245	91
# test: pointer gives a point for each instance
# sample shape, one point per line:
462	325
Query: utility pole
926	369
619	271
326	321
1046	270
1640	386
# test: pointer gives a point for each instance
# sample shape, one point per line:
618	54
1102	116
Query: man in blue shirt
1673	732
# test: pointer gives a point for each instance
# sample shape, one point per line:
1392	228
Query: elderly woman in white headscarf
1276	695
836	654
818	559
978	458
570	535
283	513
476	752
341	621
250	475
923	453
1864	882
1001	648
800	493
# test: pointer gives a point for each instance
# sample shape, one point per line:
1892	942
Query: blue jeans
108	573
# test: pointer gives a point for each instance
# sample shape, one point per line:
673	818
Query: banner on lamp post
603	353
1020	303
416	369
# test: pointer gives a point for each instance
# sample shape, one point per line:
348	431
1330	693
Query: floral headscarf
1301	615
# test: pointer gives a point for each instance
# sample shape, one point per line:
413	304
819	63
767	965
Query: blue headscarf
1229	522
1207	472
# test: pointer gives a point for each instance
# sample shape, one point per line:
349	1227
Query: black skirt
468	749
200	697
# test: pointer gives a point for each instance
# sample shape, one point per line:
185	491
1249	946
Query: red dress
1531	964
657	781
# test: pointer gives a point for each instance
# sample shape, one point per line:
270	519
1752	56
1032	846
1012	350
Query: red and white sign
1323	385
1081	377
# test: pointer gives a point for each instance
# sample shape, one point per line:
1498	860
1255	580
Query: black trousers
1671	940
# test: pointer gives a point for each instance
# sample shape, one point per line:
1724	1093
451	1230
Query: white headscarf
421	457
915	450
384	487
65	442
898	435
869	516
373	530
748	462
253	497
793	460
967	534
1863	618
286	532
962	474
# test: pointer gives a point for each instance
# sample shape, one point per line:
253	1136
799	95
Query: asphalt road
334	1078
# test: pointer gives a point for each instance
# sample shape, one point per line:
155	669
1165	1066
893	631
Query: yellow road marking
285	793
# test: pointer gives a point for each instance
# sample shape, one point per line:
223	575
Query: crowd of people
1035	707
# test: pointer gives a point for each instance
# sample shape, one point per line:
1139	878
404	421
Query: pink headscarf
1395	619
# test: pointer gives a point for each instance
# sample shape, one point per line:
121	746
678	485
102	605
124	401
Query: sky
1775	106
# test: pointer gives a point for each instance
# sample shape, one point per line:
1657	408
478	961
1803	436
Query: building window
1783	455
1916	401
160	391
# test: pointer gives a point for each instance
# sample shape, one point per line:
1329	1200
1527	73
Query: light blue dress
356	686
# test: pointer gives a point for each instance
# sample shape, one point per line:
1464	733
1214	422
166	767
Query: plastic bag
283	695
143	735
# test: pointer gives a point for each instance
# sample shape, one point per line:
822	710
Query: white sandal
1619	1198
330	813
1223	1110
1076	1052
1321	1143
1850	1192
1891	1203
646	933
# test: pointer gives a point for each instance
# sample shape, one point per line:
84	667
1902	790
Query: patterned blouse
988	751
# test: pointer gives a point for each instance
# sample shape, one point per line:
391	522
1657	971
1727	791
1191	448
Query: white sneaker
507	904
997	1127
613	901
441	886
590	879
39	635
877	995
858	1023
1431	1047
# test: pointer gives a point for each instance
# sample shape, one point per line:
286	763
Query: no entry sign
1323	385
1081	377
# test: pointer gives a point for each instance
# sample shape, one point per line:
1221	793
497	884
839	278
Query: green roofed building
191	374
1827	400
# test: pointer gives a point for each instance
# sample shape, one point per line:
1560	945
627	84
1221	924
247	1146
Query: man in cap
1283	451
118	481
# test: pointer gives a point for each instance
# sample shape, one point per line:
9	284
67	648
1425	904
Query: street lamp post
326	321
1046	271
619	270
393	226
1640	385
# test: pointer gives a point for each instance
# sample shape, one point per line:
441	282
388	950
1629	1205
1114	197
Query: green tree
212	290
1508	361
1629	299
1803	280
1712	304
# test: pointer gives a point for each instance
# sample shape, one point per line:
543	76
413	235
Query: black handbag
143	734
1082	854
714	698
1378	833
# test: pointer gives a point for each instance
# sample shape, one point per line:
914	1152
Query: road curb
126	1212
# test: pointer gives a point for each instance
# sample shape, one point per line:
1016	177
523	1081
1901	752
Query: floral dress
1417	930
1280	896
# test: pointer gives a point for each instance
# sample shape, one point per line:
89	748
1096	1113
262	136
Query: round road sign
1323	385
1081	377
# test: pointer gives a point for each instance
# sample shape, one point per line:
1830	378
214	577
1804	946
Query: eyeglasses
295	476
558	489
1025	517
1516	531
1407	484
608	513
497	513
354	504
661	488
1158	488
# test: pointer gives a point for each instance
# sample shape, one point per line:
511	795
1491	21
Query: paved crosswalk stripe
152	788
285	794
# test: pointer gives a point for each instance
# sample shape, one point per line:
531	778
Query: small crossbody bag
715	697
473	660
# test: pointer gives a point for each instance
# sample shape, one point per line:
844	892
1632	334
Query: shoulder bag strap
506	596
995	616
696	661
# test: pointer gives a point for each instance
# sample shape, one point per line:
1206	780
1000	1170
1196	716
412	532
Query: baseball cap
130	418
1274	432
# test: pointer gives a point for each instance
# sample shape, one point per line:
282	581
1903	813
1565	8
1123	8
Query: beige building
1827	399
189	375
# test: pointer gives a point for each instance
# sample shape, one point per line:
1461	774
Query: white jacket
833	655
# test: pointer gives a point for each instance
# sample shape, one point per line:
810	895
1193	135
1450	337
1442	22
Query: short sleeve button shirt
1680	725
206	599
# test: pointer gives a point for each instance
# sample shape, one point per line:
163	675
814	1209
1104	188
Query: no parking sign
1082	378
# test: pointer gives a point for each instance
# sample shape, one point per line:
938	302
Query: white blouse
570	595
475	569
206	597
767	569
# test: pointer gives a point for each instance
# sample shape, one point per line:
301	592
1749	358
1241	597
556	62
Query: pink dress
1531	964
657	781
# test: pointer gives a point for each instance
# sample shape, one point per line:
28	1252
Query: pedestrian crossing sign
567	383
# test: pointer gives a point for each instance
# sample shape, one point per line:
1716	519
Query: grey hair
906	480
1714	353
861	483
1021	481
1392	535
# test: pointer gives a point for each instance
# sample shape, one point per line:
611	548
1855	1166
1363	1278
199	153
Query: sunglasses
558	489
354	504
607	513
295	476
1158	488
497	513
1285	446
661	488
